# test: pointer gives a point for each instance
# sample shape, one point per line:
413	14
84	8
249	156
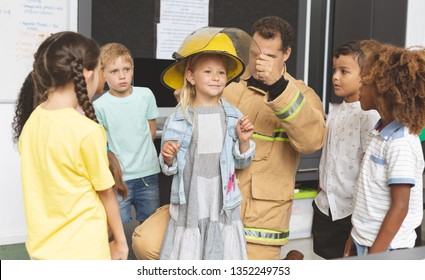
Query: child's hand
169	151
119	251
244	129
350	248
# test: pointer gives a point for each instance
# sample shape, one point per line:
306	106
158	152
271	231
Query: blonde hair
188	92
111	51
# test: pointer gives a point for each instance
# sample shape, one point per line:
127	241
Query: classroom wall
12	219
415	34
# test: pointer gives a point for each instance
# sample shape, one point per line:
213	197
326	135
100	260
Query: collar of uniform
258	86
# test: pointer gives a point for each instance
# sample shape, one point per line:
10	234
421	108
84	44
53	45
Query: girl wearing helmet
203	142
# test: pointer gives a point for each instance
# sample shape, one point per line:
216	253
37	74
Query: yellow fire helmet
232	42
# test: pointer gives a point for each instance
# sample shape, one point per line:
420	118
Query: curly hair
23	107
60	59
368	48
399	77
268	28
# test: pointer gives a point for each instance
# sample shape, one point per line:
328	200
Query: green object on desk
422	135
304	193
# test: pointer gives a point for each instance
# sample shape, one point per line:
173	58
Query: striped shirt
394	156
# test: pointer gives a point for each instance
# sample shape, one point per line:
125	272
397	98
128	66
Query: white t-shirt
348	134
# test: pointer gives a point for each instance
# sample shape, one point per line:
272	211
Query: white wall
415	34
12	218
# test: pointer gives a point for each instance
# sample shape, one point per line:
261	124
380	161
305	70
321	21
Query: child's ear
190	77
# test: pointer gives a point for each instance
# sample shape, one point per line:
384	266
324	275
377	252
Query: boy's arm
118	247
152	128
400	195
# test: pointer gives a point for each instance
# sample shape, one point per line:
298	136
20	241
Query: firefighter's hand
268	71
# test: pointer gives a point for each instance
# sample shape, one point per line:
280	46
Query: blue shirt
127	129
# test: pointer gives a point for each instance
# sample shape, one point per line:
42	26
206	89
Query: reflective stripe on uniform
292	109
278	135
266	235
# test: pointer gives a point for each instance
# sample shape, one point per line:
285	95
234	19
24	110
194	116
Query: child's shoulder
230	110
142	91
397	134
101	98
87	125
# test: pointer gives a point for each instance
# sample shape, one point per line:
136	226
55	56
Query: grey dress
200	229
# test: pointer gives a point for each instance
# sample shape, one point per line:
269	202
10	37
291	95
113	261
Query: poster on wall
177	19
24	25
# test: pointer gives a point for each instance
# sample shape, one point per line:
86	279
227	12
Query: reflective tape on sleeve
266	235
292	109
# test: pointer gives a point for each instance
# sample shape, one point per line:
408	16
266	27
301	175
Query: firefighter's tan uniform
291	124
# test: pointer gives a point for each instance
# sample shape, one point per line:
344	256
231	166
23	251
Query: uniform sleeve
95	159
152	109
300	112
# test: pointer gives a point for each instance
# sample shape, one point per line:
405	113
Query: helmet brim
173	76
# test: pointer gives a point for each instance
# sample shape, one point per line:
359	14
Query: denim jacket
180	129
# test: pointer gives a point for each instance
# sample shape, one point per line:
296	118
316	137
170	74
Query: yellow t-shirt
63	163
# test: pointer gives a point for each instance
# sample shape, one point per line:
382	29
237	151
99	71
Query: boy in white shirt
348	132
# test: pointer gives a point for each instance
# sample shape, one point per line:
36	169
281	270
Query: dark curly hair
23	107
399	77
268	27
59	60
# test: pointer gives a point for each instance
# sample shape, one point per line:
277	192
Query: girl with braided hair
67	186
388	201
27	102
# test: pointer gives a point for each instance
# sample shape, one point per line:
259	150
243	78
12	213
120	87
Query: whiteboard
24	24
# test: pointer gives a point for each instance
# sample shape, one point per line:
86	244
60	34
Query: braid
81	88
60	59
